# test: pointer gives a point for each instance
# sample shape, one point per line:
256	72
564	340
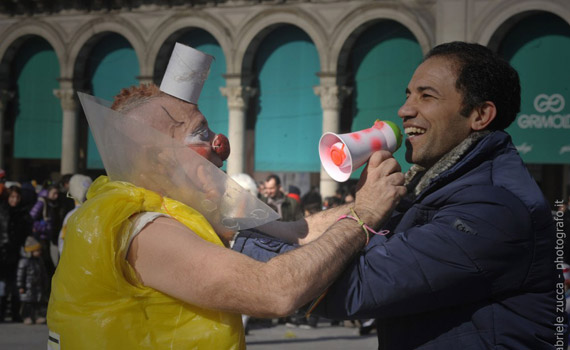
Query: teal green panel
289	119
384	59
37	130
212	104
539	49
112	65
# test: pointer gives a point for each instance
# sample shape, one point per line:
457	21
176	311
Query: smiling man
469	262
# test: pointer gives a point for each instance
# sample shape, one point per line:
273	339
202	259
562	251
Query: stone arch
12	38
179	23
500	18
356	22
263	23
87	35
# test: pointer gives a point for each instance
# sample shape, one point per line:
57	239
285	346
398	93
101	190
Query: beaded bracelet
367	229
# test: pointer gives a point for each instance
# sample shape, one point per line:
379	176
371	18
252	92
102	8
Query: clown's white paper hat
137	153
186	73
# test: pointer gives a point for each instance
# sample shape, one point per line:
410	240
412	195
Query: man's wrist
369	217
357	228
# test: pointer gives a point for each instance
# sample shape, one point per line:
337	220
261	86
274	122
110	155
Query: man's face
271	188
431	113
181	121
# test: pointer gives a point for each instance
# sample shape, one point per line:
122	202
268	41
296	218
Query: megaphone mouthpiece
342	154
337	153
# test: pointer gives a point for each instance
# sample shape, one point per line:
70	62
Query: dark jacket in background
290	209
33	278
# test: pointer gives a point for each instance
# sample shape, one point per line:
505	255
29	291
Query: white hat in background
245	181
78	186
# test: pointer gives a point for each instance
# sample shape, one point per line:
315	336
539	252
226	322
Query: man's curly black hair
482	75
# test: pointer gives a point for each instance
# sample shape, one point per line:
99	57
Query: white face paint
198	136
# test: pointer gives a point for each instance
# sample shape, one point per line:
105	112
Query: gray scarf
446	162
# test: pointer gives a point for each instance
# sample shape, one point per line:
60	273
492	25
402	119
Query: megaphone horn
342	154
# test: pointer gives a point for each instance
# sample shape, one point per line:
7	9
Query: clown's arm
168	257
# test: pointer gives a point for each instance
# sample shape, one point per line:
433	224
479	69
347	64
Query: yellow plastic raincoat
97	302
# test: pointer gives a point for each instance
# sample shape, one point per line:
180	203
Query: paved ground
16	336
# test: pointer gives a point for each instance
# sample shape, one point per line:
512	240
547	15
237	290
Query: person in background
295	193
261	190
44	215
287	207
349	195
64	203
19	227
332	202
2	184
32	281
312	202
77	189
29	196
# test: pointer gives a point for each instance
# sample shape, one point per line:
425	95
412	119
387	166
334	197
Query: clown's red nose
221	146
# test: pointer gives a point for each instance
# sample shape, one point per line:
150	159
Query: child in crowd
32	281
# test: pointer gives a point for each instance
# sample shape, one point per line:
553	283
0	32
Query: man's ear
483	115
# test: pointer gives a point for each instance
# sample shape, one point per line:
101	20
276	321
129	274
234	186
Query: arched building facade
284	73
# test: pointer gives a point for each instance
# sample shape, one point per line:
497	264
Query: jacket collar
418	179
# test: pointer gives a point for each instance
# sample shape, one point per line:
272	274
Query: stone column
69	139
238	97
331	98
144	79
5	97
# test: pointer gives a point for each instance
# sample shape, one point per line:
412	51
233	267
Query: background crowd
31	238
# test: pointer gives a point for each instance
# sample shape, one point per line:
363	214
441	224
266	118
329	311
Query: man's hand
380	189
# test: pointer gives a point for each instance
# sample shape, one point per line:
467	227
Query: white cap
186	73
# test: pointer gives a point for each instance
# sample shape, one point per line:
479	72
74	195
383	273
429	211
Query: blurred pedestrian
295	193
78	186
44	214
65	204
14	231
288	208
312	202
32	281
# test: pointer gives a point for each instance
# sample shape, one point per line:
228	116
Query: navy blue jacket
469	265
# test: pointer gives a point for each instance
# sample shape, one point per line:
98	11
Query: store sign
542	133
538	47
547	114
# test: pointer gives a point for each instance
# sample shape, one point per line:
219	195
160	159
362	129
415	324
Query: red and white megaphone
343	154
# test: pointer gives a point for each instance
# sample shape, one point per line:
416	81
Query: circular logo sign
544	103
